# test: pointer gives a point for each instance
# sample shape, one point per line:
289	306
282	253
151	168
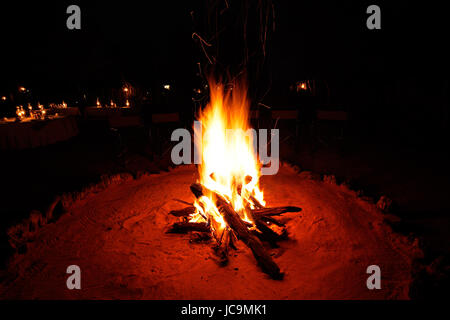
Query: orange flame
229	164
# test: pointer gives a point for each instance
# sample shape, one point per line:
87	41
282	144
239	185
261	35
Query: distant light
4	98
127	103
22	89
167	86
125	89
302	86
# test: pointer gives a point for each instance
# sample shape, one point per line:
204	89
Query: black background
152	41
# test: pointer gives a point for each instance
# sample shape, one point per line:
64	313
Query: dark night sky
115	41
151	41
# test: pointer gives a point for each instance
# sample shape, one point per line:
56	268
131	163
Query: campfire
229	204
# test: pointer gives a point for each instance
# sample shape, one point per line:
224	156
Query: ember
229	203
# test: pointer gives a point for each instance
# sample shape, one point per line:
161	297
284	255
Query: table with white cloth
35	133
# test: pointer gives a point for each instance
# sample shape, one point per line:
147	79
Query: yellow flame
229	163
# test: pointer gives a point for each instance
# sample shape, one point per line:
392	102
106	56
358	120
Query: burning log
268	229
235	222
264	213
263	218
273	229
233	240
229	199
198	237
275	211
197	190
223	246
255	201
269	232
270	220
185	227
183	212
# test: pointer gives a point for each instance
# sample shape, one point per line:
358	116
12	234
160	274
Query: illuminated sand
118	239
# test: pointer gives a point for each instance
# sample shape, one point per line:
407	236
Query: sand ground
118	239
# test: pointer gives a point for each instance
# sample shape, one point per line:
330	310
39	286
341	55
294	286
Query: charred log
197	190
275	211
183	212
256	203
223	246
235	222
271	220
198	237
268	231
185	227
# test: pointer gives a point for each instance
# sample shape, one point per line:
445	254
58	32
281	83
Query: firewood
267	231
275	211
197	190
272	221
233	240
197	237
255	214
256	203
222	247
185	227
183	212
182	201
235	222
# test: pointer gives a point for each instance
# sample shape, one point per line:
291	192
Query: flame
229	163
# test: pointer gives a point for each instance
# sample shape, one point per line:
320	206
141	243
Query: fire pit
229	204
121	236
118	237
